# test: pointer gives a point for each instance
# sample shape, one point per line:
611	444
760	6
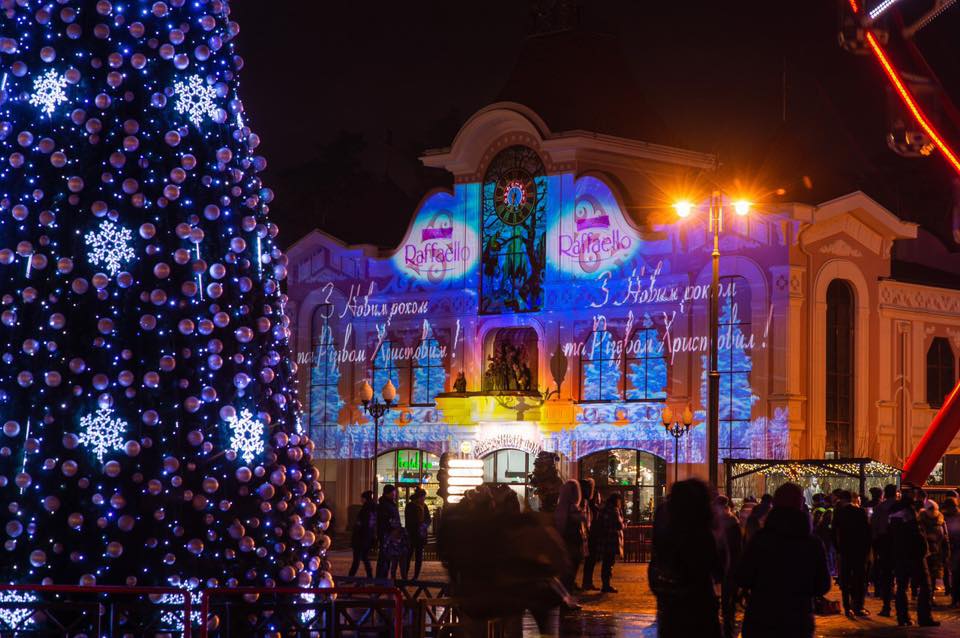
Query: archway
640	476
409	469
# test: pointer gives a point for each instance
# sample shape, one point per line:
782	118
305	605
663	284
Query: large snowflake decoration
102	432
247	439
48	91
197	99
110	246
16	618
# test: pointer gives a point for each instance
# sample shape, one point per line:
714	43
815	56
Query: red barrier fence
98	613
36	606
223	592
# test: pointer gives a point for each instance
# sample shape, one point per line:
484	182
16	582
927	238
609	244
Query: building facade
552	301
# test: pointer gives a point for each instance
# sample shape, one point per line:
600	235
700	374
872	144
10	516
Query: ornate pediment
840	248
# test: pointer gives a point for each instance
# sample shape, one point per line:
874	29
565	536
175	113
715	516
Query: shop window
941	373
839	370
408	470
599	368
645	364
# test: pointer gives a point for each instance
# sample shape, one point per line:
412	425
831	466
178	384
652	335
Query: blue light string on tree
141	310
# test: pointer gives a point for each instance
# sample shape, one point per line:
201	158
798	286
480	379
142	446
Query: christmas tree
151	431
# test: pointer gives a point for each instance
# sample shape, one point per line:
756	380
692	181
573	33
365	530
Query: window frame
941	372
584	361
327	423
839	431
428	366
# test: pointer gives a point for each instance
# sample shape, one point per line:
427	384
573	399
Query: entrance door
639	476
509	467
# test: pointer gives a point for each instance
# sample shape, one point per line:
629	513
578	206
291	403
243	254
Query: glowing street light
741	207
377	410
683	208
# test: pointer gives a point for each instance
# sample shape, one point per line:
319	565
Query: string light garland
142	275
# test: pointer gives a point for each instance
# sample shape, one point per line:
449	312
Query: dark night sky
404	76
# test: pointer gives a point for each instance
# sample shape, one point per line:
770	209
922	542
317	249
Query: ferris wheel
923	118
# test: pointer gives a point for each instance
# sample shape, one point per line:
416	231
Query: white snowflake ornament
48	91
196	99
247	439
109	245
102	433
17	618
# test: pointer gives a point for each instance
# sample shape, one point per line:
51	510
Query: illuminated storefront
574	316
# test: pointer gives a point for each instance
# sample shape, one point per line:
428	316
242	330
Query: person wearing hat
784	568
363	535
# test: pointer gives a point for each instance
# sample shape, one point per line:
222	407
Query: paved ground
631	612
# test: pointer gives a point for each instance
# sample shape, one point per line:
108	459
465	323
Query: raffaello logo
435	254
595	248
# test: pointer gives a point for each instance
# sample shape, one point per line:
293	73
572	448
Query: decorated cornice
898	295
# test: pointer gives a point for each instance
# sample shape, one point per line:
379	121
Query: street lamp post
683	209
377	410
713	378
677	429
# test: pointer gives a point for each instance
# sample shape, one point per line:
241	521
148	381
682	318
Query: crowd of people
777	557
378	524
781	555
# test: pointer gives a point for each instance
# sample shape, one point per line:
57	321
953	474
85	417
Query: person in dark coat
592	508
883	547
570	520
951	518
390	533
363	535
910	562
757	516
521	573
684	562
609	533
417	519
784	567
851	537
730	541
